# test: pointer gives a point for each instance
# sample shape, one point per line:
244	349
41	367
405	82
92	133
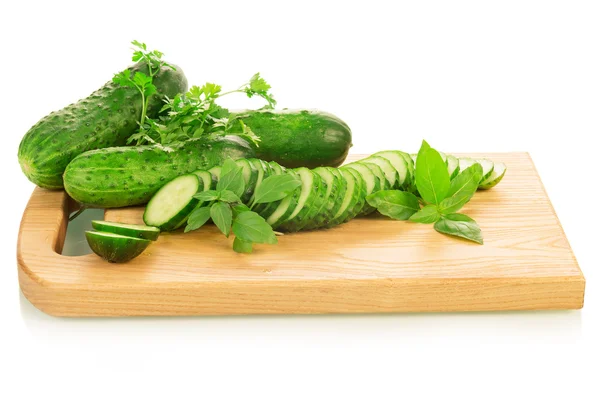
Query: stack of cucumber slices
118	242
326	197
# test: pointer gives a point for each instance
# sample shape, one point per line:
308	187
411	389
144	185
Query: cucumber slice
277	168
386	166
131	230
487	166
115	248
206	178
173	203
349	199
495	177
309	203
280	210
453	167
266	172
399	162
336	188
216	172
360	196
465	163
383	182
250	174
444	157
371	183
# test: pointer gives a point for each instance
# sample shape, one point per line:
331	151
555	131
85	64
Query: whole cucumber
104	119
126	176
298	138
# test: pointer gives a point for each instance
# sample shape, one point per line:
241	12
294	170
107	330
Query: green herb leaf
276	187
251	227
427	215
398	205
461	226
241	246
231	178
239	208
462	189
197	218
229	197
123	79
207	196
221	215
432	176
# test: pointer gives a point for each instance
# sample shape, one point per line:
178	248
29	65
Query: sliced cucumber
386	166
277	168
131	230
349	199
383	182
173	203
360	196
216	172
495	177
250	174
453	167
115	248
371	183
399	162
336	186
281	210
206	178
465	163
487	166
308	205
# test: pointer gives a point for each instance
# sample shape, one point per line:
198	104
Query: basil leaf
197	218
231	178
241	246
431	177
398	205
460	225
276	187
427	215
239	208
207	196
462	189
251	227
229	197
221	215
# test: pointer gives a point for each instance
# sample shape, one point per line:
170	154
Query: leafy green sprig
143	83
442	197
225	208
196	114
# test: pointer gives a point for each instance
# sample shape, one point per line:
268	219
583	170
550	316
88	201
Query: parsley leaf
276	187
461	226
398	205
222	216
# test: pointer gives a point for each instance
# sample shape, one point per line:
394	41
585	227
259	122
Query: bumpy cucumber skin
127	176
104	119
299	138
117	249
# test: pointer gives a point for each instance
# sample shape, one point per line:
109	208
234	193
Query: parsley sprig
196	114
225	208
143	83
442	197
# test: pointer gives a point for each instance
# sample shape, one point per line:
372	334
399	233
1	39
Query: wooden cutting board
370	264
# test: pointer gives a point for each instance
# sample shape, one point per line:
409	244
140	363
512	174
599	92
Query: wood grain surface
371	264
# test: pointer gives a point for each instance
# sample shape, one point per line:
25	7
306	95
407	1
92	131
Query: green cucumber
495	177
487	166
371	183
281	210
104	119
336	187
465	163
250	174
453	167
126	176
309	204
206	178
383	182
132	230
398	161
173	203
349	199
298	138
386	166
115	248
360	196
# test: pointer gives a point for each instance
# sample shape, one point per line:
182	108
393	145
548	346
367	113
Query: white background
465	75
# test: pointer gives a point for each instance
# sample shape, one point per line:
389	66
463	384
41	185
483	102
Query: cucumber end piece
115	248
